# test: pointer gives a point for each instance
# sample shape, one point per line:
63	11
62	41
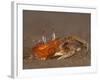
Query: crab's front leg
67	54
62	57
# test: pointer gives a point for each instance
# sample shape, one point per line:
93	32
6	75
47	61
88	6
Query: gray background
35	23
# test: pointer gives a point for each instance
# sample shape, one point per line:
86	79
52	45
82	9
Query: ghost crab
59	47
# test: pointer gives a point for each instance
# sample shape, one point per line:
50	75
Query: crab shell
43	51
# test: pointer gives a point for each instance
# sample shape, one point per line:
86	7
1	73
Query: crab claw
68	54
60	53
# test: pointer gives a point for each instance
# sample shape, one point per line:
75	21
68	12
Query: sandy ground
79	59
63	24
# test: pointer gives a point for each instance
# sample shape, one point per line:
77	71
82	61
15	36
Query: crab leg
66	55
83	42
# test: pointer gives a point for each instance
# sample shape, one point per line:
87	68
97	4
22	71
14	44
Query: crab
59	47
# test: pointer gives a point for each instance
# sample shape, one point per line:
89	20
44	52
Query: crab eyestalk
44	39
53	36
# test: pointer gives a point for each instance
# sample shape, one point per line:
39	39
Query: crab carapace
42	51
